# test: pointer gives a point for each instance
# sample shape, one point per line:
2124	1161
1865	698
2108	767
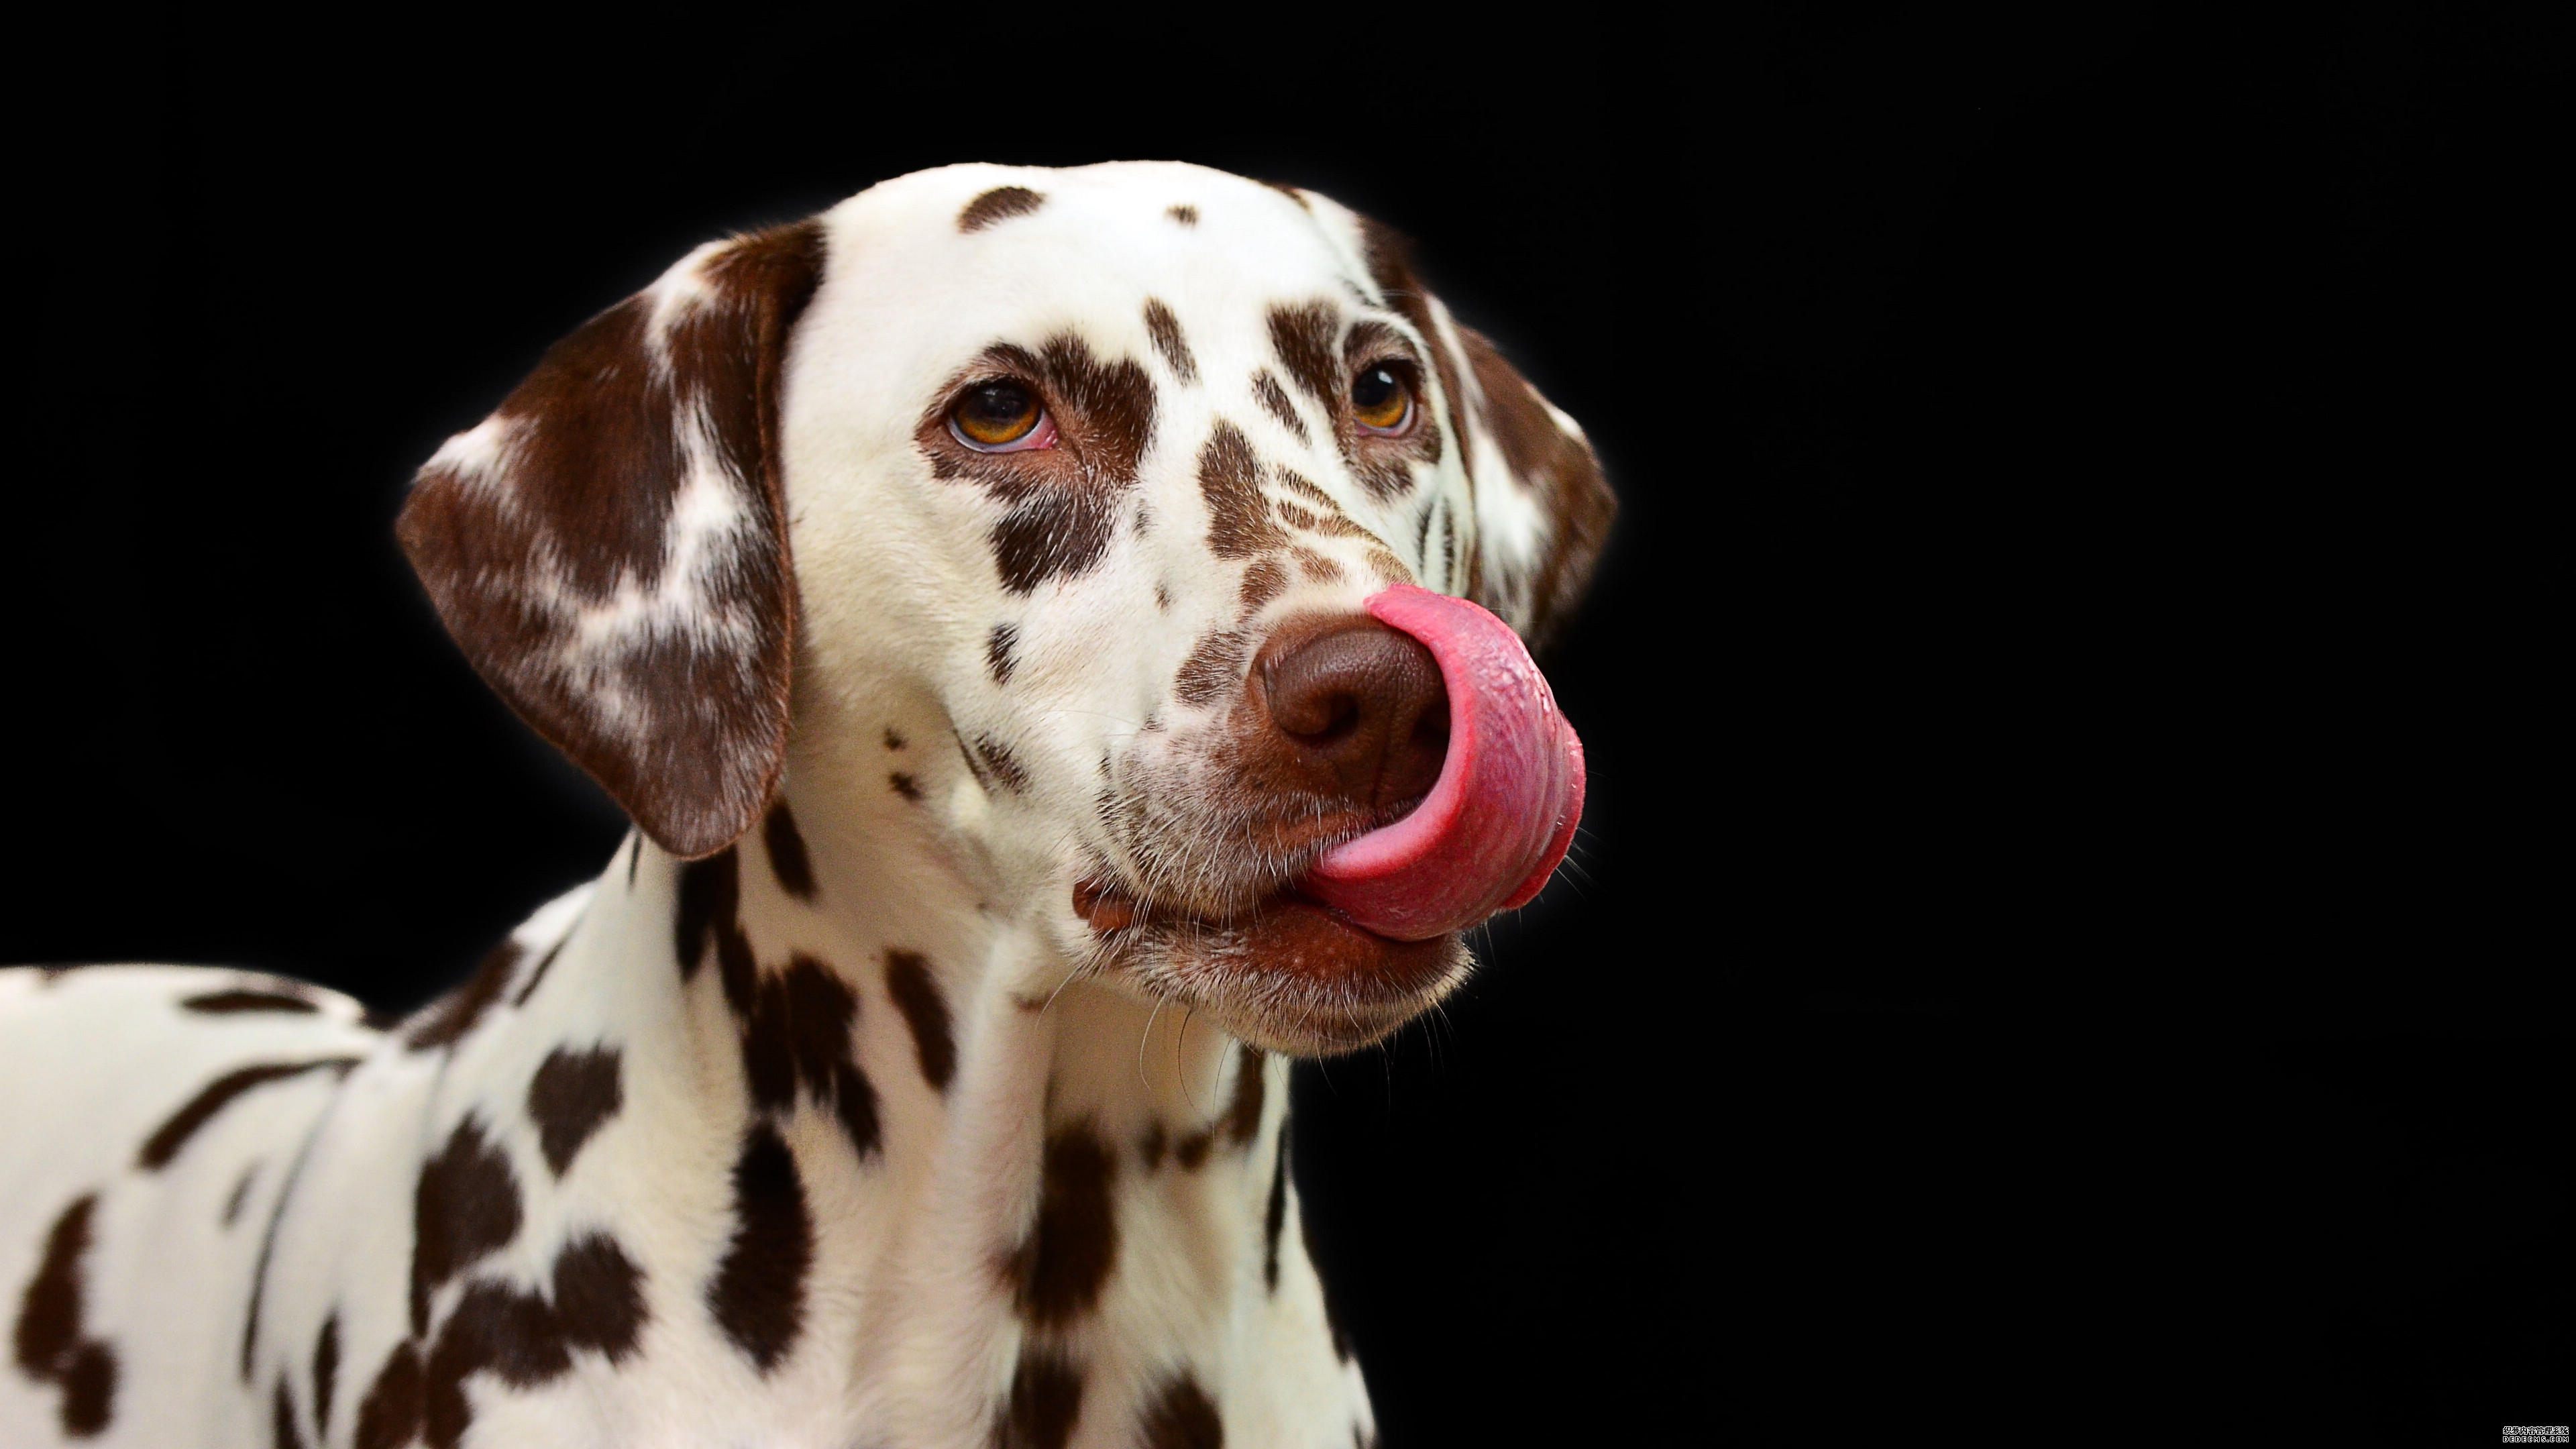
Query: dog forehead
930	268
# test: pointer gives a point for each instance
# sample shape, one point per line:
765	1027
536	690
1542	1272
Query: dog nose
1359	708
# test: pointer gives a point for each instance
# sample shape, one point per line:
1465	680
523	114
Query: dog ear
1543	510
609	547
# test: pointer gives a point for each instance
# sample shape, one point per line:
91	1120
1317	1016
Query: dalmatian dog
1062	639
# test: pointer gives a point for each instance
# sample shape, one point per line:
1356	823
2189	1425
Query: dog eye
1380	399
1000	417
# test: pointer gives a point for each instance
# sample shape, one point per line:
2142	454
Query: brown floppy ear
1543	510
609	547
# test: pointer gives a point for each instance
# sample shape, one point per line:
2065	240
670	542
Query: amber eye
1380	399
997	415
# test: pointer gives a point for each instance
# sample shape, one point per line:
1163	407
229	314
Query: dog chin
1288	976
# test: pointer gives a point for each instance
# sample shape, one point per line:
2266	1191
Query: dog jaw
1288	975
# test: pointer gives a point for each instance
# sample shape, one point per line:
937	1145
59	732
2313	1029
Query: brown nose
1357	712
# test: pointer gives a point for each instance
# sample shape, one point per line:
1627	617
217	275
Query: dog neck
1014	1192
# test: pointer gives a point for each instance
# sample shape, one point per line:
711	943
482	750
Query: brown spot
1182	1417
1331	520
89	1390
916	995
494	1327
227	1003
1303	337
1192	1150
1214	666
446	1021
466	1206
758	1294
1162	596
820	1008
905	785
1046	1399
799	1031
736	969
1185	215
1318	568
1297	483
389	1416
1063	501
599	1297
709	910
1388	567
1165	329
326	1372
1239	523
525	1340
1291	192
1275	1216
710	891
854	1102
1004	766
786	846
576	510
1057	1274
1156	1142
571	1094
1296	517
172	1135
768	1066
1274	400
1049	536
1243	1114
240	1194
997	652
282	1426
546	962
999	204
1265	580
893	741
49	1339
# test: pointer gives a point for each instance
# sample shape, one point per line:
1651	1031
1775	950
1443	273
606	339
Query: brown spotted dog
1059	635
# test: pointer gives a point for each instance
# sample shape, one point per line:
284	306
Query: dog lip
1298	975
1112	908
1106	907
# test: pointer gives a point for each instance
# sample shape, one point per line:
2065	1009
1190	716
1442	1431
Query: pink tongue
1502	813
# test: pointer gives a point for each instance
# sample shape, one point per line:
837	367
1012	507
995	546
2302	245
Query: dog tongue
1502	813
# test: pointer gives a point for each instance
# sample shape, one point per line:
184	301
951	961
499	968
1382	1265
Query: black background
2056	941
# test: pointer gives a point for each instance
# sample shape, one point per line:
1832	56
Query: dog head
1157	488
